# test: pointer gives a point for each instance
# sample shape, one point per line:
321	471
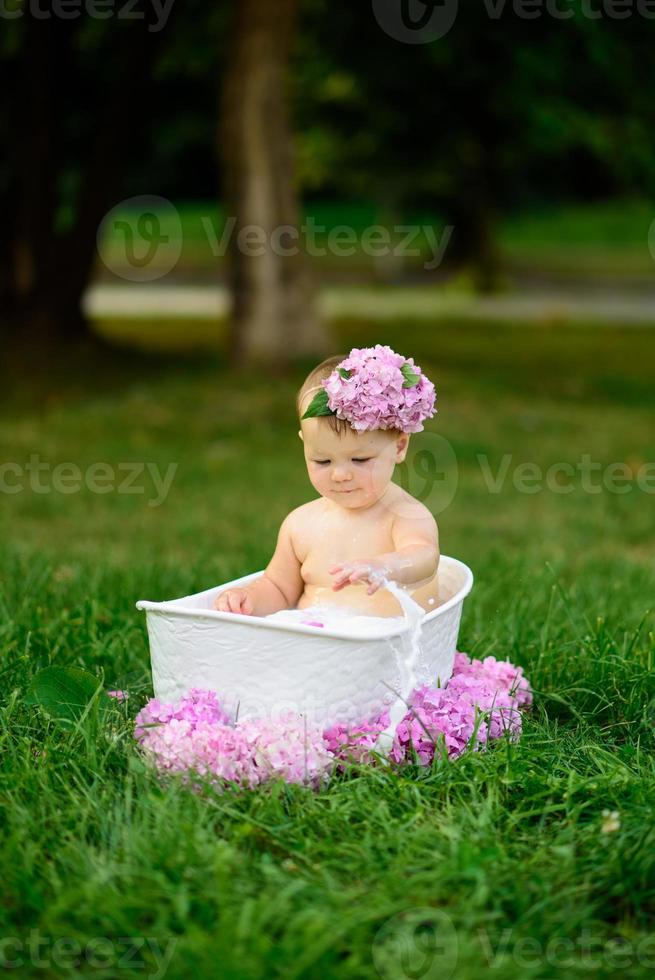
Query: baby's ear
300	434
401	447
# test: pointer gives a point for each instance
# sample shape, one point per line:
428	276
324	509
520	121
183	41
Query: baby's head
349	467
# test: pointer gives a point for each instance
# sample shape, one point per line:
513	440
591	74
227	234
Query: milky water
329	616
326	616
407	664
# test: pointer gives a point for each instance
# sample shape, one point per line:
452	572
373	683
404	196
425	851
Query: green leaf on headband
345	373
318	406
410	375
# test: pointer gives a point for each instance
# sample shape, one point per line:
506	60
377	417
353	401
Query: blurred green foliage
503	113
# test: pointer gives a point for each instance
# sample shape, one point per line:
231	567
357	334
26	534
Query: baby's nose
340	474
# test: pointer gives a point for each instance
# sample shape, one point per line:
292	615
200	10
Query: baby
356	415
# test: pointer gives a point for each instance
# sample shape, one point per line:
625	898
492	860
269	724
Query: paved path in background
209	302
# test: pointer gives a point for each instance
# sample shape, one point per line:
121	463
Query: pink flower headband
375	388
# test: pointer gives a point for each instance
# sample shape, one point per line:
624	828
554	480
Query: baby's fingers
339	569
231	602
342	574
350	577
234	600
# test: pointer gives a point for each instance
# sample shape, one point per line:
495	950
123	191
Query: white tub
261	668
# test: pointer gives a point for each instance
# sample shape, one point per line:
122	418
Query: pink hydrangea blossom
480	702
197	735
118	695
369	390
500	672
355	742
287	748
453	715
195	707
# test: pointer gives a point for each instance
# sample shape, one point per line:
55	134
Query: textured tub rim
172	608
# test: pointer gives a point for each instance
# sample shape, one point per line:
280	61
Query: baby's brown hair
313	380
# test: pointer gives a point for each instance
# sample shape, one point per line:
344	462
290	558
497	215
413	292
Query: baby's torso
324	535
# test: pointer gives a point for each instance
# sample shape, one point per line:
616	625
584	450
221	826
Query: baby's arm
416	542
280	587
413	562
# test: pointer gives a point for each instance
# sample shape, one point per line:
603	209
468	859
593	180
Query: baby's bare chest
325	542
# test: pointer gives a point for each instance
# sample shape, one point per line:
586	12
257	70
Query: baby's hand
372	571
235	601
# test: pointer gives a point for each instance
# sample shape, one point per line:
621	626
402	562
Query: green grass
503	852
605	240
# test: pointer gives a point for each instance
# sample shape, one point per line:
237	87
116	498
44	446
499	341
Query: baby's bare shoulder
407	507
305	511
412	518
306	526
300	520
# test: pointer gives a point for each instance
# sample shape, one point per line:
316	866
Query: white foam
337	617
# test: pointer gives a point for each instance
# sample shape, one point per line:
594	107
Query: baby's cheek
367	480
316	482
379	477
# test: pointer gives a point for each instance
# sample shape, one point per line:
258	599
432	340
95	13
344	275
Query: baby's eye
324	462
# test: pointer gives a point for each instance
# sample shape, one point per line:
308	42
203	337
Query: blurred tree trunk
473	212
274	314
45	270
475	224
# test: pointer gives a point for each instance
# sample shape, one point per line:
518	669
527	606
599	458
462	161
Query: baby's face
353	469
